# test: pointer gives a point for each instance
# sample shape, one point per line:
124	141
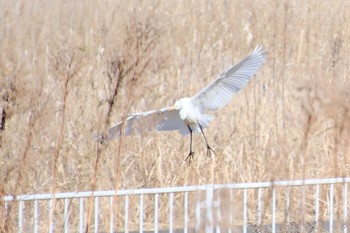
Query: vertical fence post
317	193
209	196
245	211
287	208
273	209
111	219
51	219
156	213
259	207
65	214
20	216
35	230
302	218
126	214
345	208
218	214
96	212
231	212
171	204
141	214
198	215
81	215
186	213
331	194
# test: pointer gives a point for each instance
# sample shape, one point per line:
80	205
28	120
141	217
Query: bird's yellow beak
172	107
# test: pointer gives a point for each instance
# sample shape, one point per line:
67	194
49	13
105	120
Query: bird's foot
190	157
209	150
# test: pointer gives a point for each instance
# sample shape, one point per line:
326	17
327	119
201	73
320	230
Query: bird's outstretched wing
220	92
165	119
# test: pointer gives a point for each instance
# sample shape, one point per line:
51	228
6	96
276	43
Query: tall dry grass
69	69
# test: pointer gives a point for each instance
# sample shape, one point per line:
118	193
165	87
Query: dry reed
71	69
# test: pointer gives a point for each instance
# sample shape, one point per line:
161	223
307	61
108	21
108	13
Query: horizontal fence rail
314	205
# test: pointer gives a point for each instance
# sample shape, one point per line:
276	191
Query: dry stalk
63	65
141	38
118	75
34	116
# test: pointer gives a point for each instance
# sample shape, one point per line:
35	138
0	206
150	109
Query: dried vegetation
69	69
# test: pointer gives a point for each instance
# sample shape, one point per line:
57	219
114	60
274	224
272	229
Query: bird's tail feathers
204	120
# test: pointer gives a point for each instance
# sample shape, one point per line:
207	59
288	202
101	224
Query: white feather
221	91
164	119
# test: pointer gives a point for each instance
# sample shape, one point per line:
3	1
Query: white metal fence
317	205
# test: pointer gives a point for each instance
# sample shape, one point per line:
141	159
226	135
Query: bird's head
178	104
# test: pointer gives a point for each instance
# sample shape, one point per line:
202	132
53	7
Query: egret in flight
188	115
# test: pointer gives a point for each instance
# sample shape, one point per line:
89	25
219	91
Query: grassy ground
69	69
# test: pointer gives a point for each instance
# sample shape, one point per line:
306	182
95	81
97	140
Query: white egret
188	114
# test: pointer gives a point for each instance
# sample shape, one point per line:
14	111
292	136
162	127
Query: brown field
69	69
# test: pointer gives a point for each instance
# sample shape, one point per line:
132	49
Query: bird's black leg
190	156
209	149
